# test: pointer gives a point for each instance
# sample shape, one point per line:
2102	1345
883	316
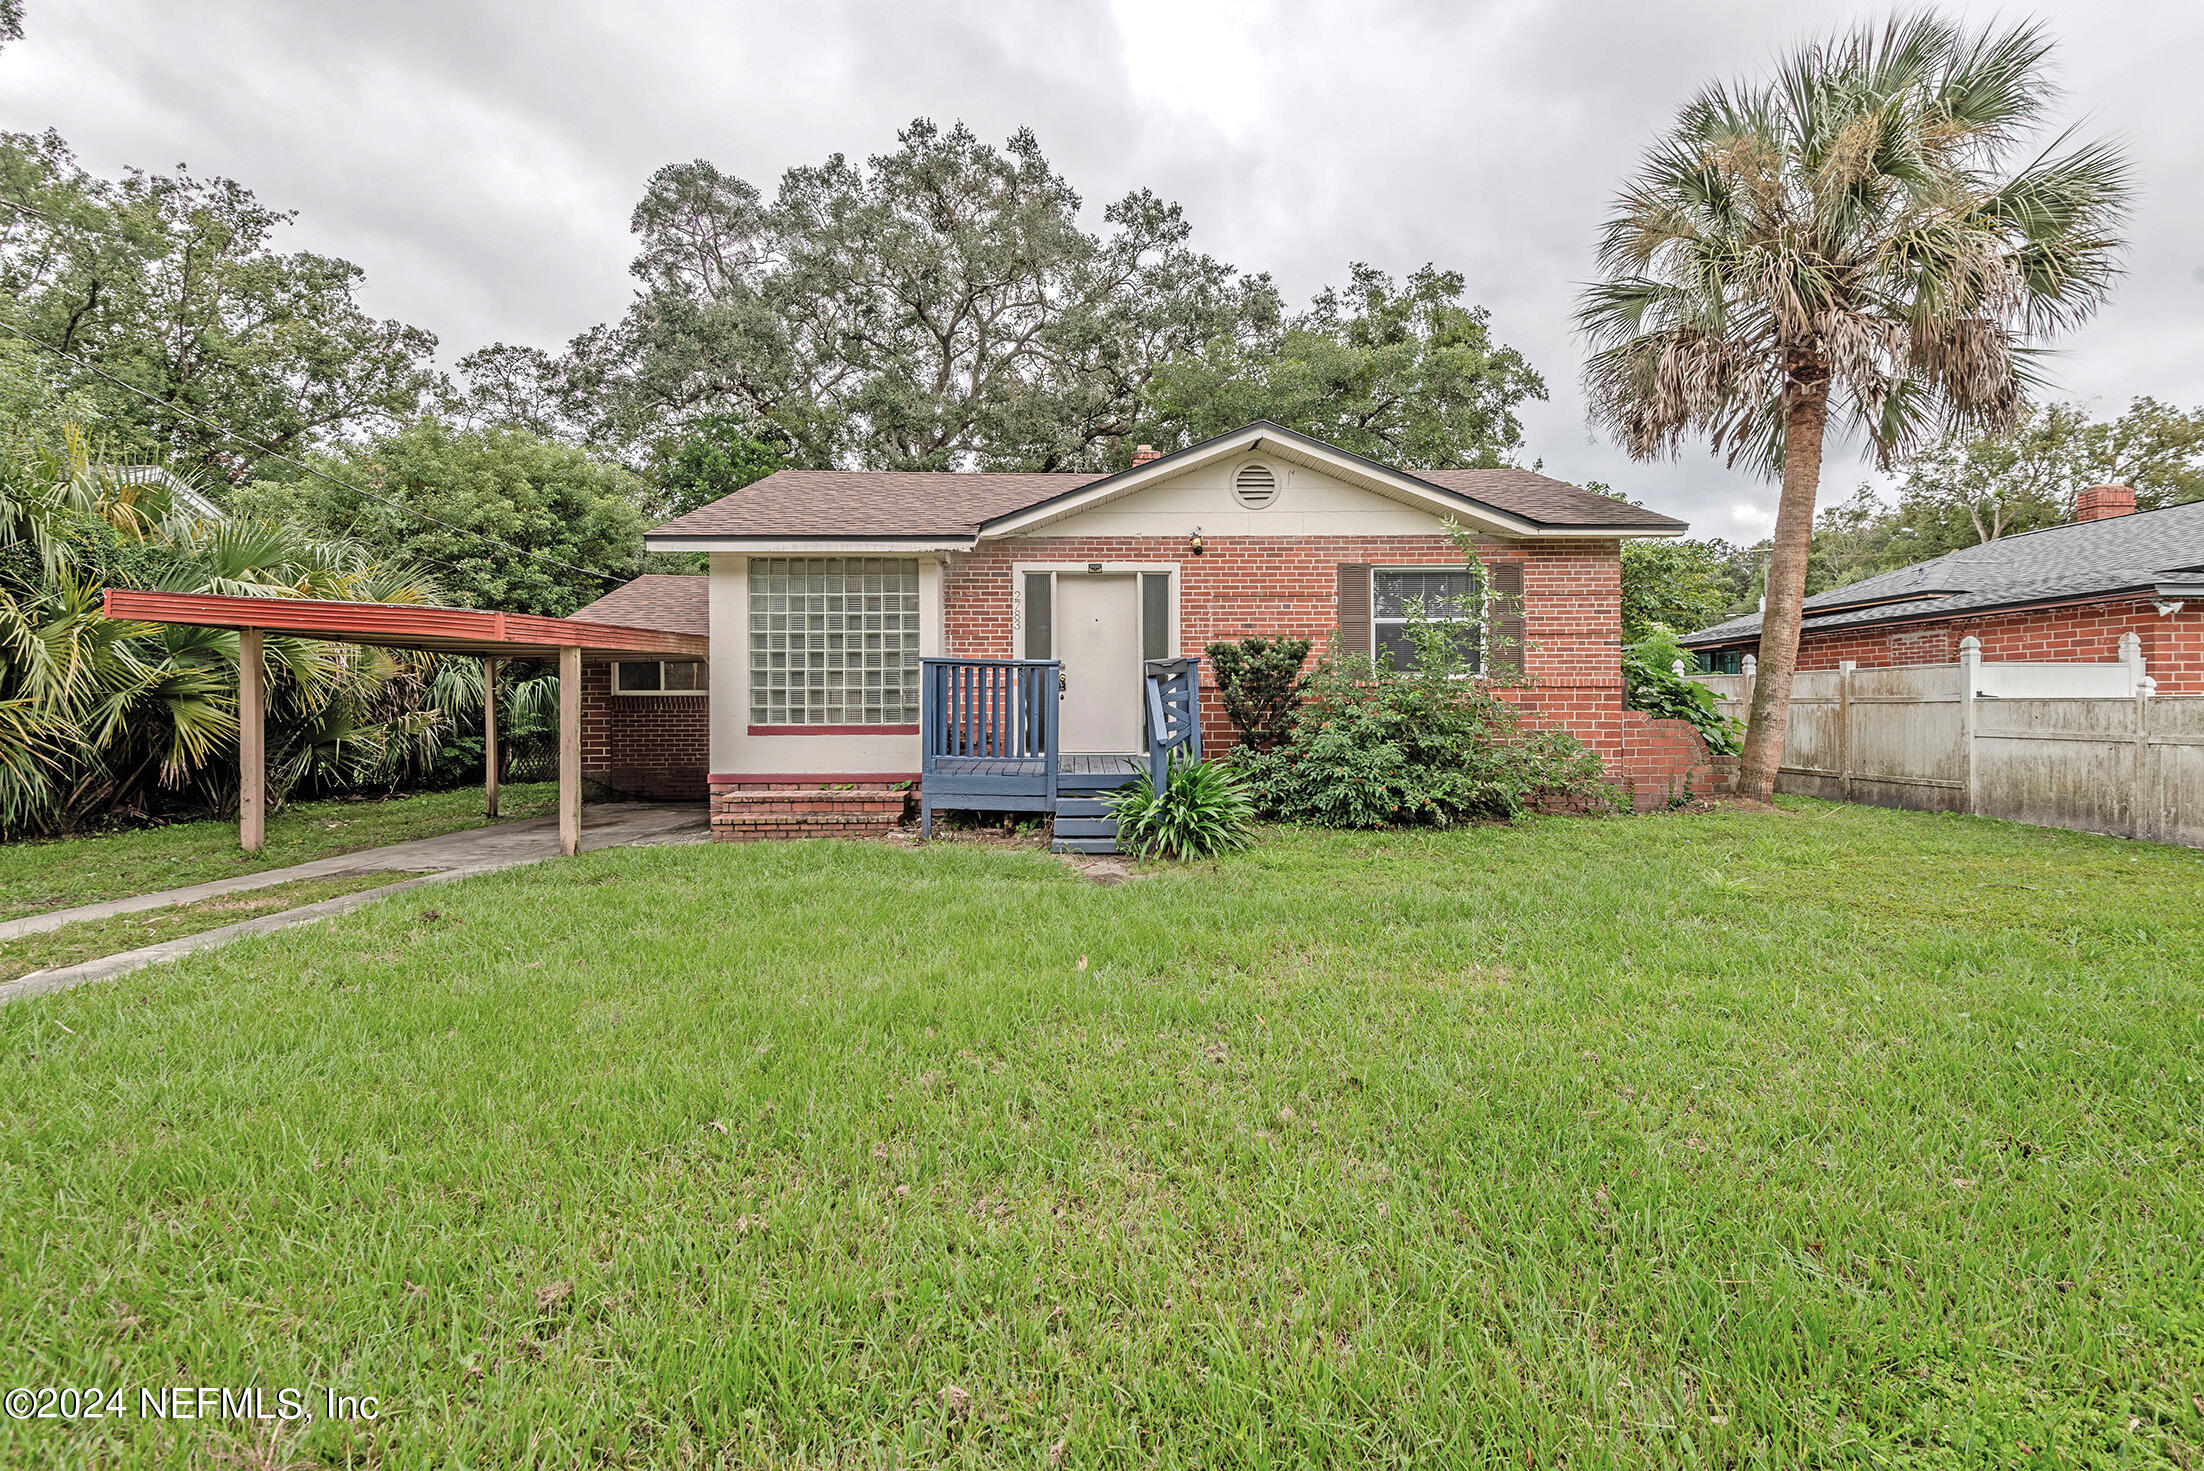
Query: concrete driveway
446	856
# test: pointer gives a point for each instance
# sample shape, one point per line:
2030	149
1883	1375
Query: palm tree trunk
1806	416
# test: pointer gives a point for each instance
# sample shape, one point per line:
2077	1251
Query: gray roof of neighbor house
2139	553
921	504
667	601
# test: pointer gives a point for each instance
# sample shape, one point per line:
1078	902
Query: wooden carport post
252	742
570	749
489	737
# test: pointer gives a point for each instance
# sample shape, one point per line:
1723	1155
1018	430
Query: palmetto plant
102	716
1859	237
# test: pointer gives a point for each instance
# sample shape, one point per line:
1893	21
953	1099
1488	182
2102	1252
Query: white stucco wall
735	750
1309	503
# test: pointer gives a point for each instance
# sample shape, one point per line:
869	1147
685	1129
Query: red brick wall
2080	633
655	746
1667	762
1289	587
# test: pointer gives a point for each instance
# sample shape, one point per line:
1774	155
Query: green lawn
1835	1136
43	876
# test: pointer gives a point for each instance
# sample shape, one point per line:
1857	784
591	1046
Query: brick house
2064	594
827	588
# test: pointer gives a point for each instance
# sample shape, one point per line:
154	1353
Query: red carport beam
412	626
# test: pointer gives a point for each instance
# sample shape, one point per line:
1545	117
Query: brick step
747	814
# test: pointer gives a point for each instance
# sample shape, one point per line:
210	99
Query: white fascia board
823	546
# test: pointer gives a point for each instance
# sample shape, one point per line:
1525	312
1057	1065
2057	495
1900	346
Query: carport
466	631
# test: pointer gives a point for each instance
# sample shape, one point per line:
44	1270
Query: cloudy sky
479	160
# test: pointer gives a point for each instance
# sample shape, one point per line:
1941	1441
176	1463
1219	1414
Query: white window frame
704	693
1482	618
1018	571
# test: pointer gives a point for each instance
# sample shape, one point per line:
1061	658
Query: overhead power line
300	465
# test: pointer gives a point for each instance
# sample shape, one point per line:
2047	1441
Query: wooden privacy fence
2108	755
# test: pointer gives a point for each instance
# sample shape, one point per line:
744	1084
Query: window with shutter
1354	607
1401	595
1504	609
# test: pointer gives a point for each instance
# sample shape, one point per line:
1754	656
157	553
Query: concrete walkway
438	859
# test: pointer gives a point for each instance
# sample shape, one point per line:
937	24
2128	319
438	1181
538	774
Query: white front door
1098	640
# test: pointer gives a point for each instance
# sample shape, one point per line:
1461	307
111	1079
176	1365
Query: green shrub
1649	673
1203	809
1373	746
1262	685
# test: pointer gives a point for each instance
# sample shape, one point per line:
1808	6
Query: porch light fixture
1193	543
1094	566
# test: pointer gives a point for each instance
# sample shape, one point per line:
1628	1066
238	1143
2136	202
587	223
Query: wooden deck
1077	769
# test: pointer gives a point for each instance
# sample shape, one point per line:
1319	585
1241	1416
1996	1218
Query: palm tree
1860	238
101	717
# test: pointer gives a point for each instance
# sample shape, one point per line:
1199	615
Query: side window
661	676
1439	594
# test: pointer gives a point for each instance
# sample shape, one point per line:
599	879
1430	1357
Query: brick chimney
1149	452
2101	501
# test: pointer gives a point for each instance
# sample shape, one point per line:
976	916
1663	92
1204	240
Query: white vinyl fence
2086	746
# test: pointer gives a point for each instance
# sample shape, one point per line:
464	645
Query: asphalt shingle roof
671	602
2116	554
922	503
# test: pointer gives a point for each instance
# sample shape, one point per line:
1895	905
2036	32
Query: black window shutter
1504	608
1354	608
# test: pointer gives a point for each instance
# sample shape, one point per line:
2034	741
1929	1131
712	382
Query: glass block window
1441	594
833	641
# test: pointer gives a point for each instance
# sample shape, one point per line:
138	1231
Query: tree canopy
710	457
1406	374
172	284
544	502
938	305
942	306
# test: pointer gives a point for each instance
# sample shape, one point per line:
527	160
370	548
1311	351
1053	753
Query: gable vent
1254	486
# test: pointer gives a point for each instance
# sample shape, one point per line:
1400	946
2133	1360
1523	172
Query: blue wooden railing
1173	688
988	735
988	732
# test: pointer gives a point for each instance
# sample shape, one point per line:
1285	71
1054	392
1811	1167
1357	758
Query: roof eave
1704	639
1317	455
822	544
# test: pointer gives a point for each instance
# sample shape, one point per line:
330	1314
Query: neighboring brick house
826	587
2065	594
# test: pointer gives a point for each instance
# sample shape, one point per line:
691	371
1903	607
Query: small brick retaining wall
745	810
1665	762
